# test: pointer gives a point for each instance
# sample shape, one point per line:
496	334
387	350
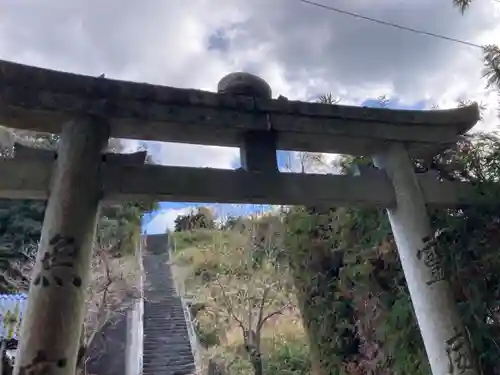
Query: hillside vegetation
243	306
333	284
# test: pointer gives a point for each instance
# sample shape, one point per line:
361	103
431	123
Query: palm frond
463	5
491	69
328	98
383	101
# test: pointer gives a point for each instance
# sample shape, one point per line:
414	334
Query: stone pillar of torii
86	111
445	339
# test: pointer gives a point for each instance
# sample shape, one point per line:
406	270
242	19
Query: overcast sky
302	51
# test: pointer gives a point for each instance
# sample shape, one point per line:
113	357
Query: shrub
200	219
288	358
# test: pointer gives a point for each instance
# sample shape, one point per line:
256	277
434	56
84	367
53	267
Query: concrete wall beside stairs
167	346
107	353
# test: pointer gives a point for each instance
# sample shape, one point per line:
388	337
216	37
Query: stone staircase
167	346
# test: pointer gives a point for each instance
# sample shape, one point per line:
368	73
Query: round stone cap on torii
241	83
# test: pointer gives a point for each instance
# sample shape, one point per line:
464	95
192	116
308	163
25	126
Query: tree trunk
256	360
216	367
51	328
252	347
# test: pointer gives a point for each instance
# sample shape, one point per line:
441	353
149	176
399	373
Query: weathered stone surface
20	76
22	152
258	147
258	152
30	179
107	353
41	99
64	254
247	84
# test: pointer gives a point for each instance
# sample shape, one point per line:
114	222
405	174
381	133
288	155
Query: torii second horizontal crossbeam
30	179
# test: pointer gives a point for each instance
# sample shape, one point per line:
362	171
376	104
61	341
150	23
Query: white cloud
156	42
300	50
192	155
164	220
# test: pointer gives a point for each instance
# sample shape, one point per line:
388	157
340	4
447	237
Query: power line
390	24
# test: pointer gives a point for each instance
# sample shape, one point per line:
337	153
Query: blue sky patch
219	41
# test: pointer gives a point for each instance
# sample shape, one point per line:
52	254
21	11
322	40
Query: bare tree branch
228	304
261	308
276	312
112	281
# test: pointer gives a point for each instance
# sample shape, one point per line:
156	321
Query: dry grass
205	251
225	254
286	327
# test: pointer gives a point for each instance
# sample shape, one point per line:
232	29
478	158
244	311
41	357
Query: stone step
165	314
186	358
178	351
163	303
163	326
162	291
160	294
177	345
160	339
165	320
172	320
159	284
183	355
152	333
164	364
160	335
173	309
166	323
165	331
166	348
156	338
158	298
168	371
174	306
168	366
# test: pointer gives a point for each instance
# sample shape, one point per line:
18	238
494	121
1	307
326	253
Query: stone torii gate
86	111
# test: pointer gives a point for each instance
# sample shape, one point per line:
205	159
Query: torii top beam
42	100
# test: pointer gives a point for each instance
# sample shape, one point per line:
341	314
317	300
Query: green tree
326	305
370	285
491	53
202	218
237	223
